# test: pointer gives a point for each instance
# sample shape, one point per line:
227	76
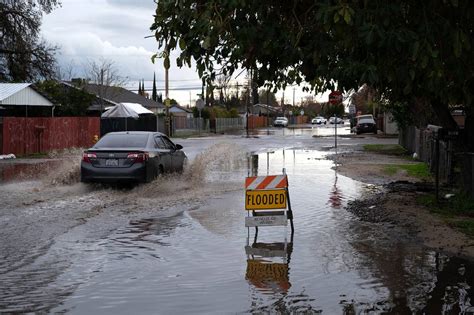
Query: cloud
147	4
109	29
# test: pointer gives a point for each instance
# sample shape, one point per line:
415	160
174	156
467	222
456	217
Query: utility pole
166	84
268	112
247	101
167	100
101	87
293	97
237	85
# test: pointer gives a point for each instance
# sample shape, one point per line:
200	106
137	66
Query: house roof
8	89
268	107
177	108
117	94
22	94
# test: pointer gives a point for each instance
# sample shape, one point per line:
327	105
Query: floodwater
179	245
311	130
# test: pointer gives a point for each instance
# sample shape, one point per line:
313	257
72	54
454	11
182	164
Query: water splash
216	160
210	171
68	172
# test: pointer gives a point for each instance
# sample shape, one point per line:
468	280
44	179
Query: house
96	104
117	94
264	110
18	98
180	111
27	129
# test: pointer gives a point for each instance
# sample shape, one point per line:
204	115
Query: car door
164	153
177	156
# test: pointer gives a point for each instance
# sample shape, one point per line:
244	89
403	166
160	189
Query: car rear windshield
281	118
122	141
366	121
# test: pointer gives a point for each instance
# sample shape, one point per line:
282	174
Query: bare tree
106	76
66	72
223	84
104	72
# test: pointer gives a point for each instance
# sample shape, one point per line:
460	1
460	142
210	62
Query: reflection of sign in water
335	197
265	199
259	270
268	265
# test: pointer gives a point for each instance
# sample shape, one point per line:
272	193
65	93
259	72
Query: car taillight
138	157
86	157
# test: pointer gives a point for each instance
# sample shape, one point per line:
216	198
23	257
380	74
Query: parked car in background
318	120
364	116
365	124
280	122
131	156
335	120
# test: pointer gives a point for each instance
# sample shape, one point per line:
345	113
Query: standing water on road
179	245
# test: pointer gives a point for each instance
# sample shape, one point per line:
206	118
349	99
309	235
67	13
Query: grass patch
427	200
418	170
393	149
457	211
460	204
466	226
37	155
390	170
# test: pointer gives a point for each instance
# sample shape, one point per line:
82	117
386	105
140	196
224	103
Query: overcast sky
87	30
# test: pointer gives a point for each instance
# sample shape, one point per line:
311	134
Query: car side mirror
178	146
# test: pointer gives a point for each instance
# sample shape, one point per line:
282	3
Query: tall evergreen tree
154	95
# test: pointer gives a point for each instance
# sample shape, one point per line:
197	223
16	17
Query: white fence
229	124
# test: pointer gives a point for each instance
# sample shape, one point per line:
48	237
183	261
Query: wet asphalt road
179	245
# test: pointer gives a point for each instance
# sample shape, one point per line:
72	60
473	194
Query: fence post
468	173
437	165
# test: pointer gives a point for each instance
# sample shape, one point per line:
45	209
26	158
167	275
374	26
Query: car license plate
111	162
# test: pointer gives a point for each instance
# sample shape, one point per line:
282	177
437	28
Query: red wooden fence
257	121
42	134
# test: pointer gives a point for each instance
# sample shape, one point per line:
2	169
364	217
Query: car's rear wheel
152	175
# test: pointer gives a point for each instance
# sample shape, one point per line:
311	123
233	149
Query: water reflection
330	130
453	292
268	266
335	196
12	170
417	280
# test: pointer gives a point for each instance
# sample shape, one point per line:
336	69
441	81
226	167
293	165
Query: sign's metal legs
290	212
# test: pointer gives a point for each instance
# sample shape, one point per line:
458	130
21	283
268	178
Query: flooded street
178	245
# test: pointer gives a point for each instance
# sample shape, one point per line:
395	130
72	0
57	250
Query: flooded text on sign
265	199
